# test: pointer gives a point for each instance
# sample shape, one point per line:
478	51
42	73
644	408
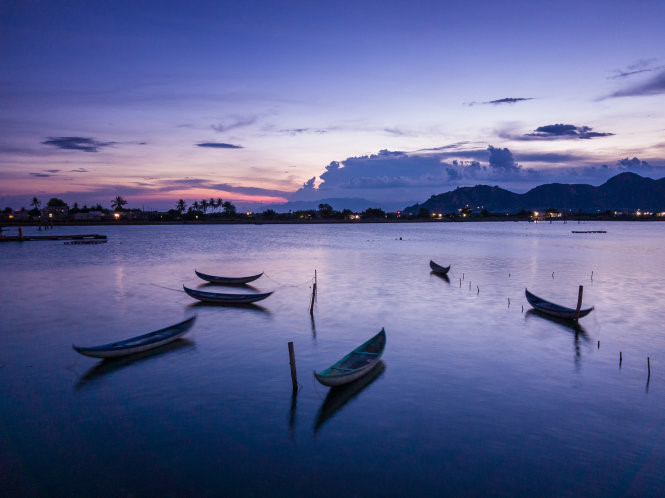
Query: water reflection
441	276
249	306
569	325
313	327
108	366
338	397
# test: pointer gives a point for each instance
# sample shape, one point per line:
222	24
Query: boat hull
441	270
554	310
220	298
354	365
227	280
137	344
345	379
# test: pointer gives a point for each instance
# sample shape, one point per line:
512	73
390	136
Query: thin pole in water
292	362
579	302
620	359
649	366
311	306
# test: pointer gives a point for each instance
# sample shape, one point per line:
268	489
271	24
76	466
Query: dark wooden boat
138	344
441	270
221	298
355	364
227	280
554	310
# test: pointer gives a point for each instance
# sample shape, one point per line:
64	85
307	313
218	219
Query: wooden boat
441	270
220	298
138	344
227	280
355	364
554	310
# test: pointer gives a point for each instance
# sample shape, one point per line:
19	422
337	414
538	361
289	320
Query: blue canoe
221	298
227	280
355	364
138	344
441	270
552	309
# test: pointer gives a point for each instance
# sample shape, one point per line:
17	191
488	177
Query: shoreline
238	221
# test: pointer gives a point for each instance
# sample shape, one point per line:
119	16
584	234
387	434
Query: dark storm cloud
563	132
77	143
502	161
505	100
217	145
238	122
653	86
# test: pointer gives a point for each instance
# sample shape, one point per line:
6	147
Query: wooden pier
25	238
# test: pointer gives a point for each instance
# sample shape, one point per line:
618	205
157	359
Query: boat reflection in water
339	396
442	276
569	325
108	366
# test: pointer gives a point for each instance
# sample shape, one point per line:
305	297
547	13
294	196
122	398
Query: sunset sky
261	102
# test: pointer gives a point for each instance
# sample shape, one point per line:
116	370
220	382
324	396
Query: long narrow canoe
138	344
220	298
227	280
442	270
355	364
552	309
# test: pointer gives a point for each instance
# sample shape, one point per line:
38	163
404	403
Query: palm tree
118	203
211	203
229	209
204	205
195	206
219	203
35	203
180	206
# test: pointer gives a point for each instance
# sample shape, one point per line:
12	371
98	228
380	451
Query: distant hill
623	191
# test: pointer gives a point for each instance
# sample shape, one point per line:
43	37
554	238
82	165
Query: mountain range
625	191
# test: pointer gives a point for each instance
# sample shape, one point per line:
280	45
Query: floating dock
84	238
589	231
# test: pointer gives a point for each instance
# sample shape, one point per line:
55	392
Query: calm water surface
474	396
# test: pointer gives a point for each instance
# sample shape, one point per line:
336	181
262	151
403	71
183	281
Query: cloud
653	86
300	131
632	163
236	122
505	100
77	143
502	161
41	175
257	191
79	170
563	132
641	66
52	171
217	145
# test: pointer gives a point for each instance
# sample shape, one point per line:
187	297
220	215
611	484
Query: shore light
116	215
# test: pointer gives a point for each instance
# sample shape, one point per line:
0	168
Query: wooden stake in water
579	302
649	366
311	306
292	362
620	359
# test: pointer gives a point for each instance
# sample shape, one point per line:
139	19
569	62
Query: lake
475	396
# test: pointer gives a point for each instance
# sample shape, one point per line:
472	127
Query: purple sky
386	101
